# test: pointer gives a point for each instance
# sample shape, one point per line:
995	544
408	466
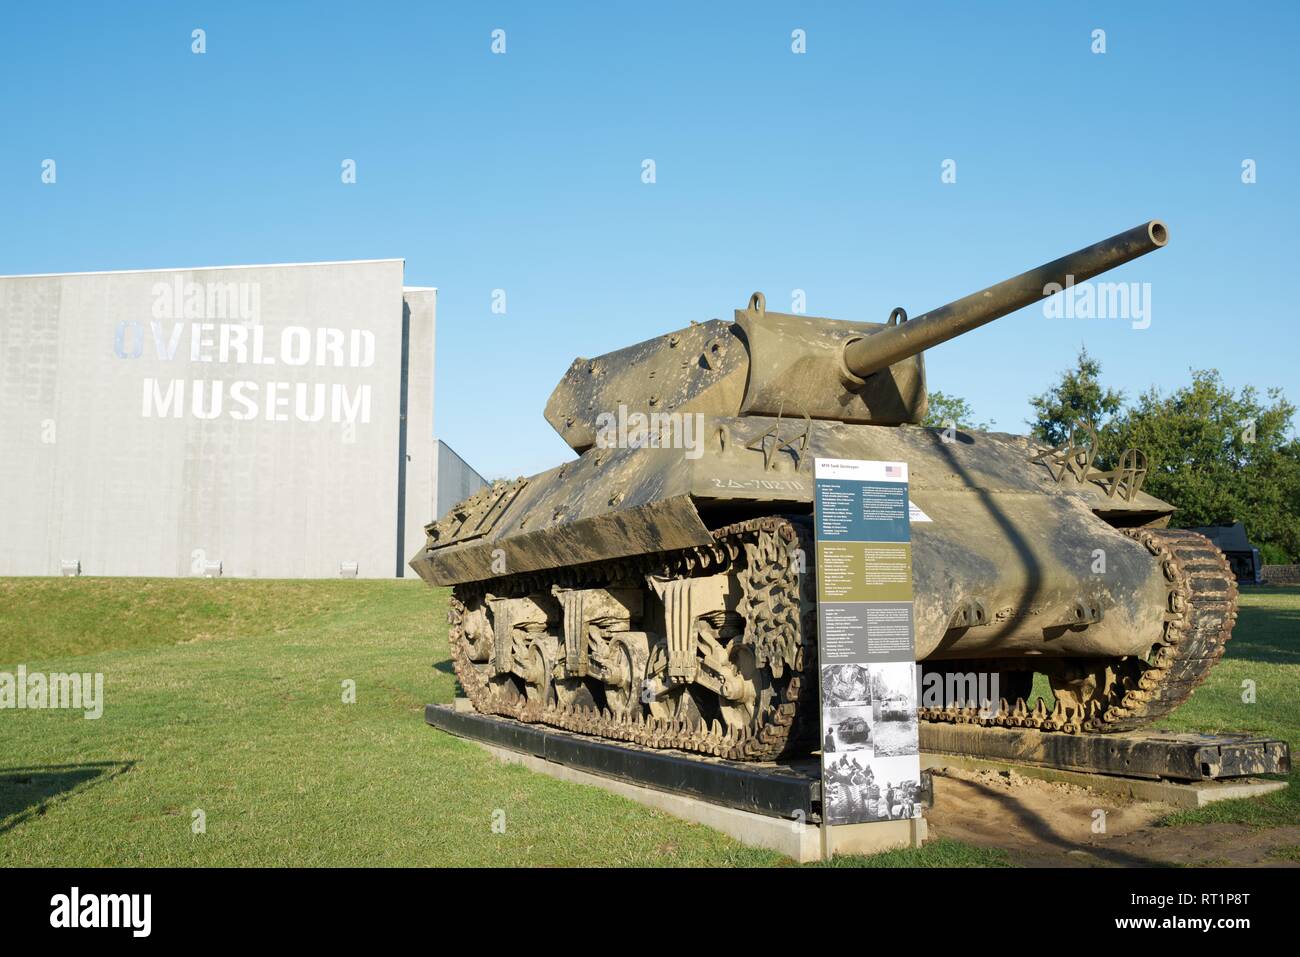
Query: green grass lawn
1264	650
227	697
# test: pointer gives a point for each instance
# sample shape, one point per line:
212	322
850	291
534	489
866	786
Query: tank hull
666	596
1000	531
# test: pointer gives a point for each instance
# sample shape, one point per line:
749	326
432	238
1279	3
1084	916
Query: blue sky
775	172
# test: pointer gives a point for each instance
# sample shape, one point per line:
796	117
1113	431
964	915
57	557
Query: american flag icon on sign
893	471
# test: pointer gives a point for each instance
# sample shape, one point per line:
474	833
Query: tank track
1128	693
779	608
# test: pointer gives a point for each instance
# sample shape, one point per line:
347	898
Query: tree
1078	396
1217	455
946	410
1221	456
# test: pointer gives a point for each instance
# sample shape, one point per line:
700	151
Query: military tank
660	588
853	732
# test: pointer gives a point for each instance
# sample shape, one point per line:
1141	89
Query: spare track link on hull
778	606
1128	693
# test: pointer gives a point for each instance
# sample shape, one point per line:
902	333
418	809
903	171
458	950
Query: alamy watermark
133	912
37	691
655	430
972	689
1129	301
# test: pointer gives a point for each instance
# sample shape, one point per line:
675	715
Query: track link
1201	612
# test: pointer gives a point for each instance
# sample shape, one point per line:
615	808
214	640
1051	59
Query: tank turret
770	363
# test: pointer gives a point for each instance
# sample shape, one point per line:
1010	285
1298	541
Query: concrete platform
772	806
1153	754
777	806
788	789
796	839
1175	793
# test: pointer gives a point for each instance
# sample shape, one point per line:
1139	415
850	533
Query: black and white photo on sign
846	729
847	787
861	788
898	780
845	686
893	695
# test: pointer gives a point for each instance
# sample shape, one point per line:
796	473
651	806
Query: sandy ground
1040	823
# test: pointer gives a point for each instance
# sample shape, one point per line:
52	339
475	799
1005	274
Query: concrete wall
1281	574
421	462
455	481
114	452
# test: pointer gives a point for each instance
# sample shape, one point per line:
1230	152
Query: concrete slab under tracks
761	804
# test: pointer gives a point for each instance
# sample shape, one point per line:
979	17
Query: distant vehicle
1247	564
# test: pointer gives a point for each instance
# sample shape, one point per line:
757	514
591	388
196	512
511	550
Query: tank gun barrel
866	355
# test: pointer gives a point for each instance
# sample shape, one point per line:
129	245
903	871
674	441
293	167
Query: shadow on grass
447	668
1266	633
28	792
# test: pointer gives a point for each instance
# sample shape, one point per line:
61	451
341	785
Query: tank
852	732
659	589
895	709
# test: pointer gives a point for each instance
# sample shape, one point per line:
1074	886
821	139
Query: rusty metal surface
1002	530
1142	754
796	367
749	697
606	504
701	368
598	503
654	526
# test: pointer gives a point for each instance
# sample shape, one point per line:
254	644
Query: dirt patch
205	636
1050	824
